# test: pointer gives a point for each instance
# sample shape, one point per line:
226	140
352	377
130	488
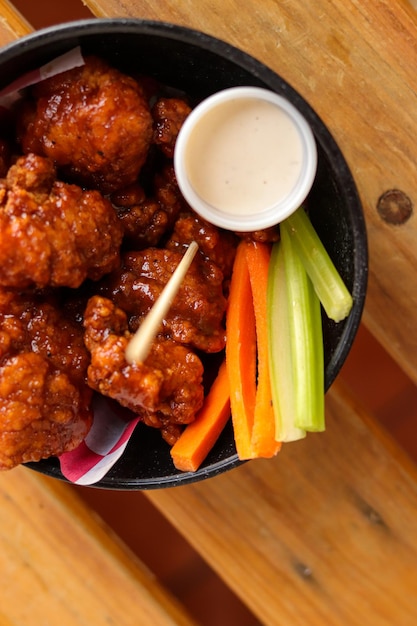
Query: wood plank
355	63
60	565
323	534
12	23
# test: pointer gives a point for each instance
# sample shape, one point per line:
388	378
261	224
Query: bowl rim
323	136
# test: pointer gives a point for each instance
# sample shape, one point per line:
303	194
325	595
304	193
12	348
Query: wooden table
325	533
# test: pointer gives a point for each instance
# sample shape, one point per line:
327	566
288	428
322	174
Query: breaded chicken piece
165	391
146	220
52	233
169	115
217	245
196	316
44	399
93	121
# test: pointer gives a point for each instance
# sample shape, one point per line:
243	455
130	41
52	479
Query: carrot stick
263	432
241	354
199	437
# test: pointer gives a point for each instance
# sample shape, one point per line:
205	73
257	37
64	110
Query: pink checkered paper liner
67	61
105	443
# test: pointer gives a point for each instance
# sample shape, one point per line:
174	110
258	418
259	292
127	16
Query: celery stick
306	339
328	284
280	354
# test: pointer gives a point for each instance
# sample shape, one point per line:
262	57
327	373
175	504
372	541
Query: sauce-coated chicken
44	400
196	316
146	220
93	121
52	233
169	115
166	391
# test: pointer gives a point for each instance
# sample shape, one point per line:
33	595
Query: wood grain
323	534
60	565
12	23
355	63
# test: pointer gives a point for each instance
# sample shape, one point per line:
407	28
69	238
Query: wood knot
371	514
303	570
395	207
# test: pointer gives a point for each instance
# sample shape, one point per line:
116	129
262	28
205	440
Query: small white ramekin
269	215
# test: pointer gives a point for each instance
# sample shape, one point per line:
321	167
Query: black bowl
200	65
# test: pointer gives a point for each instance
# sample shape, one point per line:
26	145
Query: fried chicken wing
196	314
169	115
52	233
218	246
44	399
93	121
146	220
165	391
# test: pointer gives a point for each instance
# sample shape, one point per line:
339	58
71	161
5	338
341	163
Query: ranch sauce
244	156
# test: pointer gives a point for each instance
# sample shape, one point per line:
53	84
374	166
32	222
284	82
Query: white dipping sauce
244	156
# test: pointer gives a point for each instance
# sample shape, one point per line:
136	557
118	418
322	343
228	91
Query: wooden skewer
140	344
